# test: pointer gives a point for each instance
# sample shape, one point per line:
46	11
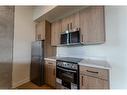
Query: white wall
114	50
23	36
41	10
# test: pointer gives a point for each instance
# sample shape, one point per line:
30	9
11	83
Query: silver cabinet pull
82	38
82	80
71	26
54	72
50	63
67	26
92	71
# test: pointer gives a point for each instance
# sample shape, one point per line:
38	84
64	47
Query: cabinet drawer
94	72
50	62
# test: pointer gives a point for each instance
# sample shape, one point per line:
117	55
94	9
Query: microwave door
64	38
74	37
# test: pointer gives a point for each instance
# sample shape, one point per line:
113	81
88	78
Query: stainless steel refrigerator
37	63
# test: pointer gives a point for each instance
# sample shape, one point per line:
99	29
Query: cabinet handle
49	63
67	26
82	38
54	72
71	26
92	71
82	80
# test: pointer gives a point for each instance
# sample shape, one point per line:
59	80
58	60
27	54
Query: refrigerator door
37	48
37	63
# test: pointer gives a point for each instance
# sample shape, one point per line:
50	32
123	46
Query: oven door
66	78
66	75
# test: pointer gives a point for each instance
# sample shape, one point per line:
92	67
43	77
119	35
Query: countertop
65	59
102	64
54	58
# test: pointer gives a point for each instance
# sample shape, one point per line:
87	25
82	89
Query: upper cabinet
76	22
92	25
65	24
40	30
70	23
55	33
90	20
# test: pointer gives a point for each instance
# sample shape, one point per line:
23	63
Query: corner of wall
16	84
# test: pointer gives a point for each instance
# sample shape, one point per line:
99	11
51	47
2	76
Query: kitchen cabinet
70	22
89	20
50	73
40	30
48	49
55	33
92	25
75	22
88	82
93	78
65	25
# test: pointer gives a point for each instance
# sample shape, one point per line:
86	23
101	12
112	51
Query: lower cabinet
50	73
87	82
93	78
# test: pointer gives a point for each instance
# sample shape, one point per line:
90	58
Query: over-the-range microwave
70	37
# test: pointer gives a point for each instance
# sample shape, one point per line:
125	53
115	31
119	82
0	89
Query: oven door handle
66	70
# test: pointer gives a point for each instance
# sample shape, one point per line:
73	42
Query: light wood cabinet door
52	78
87	82
74	21
71	22
55	33
50	73
92	25
65	24
40	30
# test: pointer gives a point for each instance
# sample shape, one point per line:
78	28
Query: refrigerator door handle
41	59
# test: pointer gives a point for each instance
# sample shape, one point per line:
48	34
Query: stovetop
70	59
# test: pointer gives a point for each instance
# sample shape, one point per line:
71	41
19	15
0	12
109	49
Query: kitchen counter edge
87	62
95	64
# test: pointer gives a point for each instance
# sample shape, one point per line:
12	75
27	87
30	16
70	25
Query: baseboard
14	85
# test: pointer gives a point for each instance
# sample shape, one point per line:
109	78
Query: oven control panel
67	65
